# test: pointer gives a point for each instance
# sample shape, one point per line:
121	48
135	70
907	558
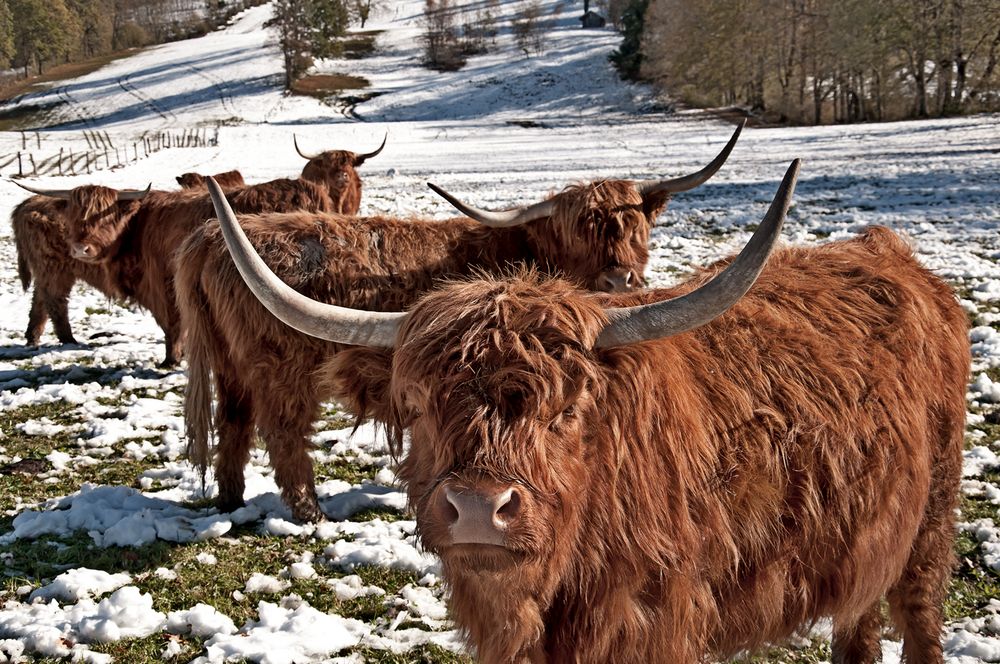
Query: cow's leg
234	427
37	317
55	295
916	600
171	339
861	642
285	429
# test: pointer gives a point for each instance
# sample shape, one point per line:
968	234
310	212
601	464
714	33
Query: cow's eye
569	411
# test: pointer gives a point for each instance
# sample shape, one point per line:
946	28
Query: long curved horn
628	325
501	219
326	321
52	193
361	158
295	139
648	187
125	195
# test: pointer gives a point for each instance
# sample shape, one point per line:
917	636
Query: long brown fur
43	256
263	369
135	242
41	237
689	498
227	180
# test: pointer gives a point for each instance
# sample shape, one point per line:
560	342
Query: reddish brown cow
227	180
42	255
595	234
681	474
132	241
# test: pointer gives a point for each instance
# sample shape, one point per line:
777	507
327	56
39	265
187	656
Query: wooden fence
101	152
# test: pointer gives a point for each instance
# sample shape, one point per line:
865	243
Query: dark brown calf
595	234
683	474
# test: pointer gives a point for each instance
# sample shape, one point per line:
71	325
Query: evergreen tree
308	29
628	57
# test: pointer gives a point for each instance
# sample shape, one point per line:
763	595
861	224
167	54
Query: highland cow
595	234
131	242
43	252
677	475
227	180
43	256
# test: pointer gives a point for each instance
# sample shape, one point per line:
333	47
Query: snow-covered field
108	546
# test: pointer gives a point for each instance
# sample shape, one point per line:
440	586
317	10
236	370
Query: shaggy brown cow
227	180
680	474
594	233
335	170
132	241
43	254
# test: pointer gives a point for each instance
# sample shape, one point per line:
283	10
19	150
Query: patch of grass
425	654
384	513
44	558
817	652
321	86
27	484
344	469
149	648
972	586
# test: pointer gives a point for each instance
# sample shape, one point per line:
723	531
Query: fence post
20	168
34	167
38	140
24	141
60	160
72	166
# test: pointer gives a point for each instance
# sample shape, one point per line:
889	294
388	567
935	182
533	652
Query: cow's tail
23	269
197	322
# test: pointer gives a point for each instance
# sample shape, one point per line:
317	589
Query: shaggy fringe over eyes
95	214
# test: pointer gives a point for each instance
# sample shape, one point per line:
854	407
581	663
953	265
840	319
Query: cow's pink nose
616	281
480	518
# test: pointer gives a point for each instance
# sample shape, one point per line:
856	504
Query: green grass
818	651
343	469
427	654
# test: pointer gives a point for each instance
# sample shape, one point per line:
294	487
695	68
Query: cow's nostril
449	510
509	507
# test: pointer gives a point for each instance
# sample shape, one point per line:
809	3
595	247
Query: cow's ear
358	378
654	204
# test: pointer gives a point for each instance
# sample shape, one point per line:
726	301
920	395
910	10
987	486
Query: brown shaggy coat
41	237
42	255
697	496
227	180
263	369
134	242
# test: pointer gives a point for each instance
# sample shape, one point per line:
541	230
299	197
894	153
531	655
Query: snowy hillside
104	428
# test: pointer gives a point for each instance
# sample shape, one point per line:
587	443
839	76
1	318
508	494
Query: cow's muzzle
478	516
84	251
616	281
